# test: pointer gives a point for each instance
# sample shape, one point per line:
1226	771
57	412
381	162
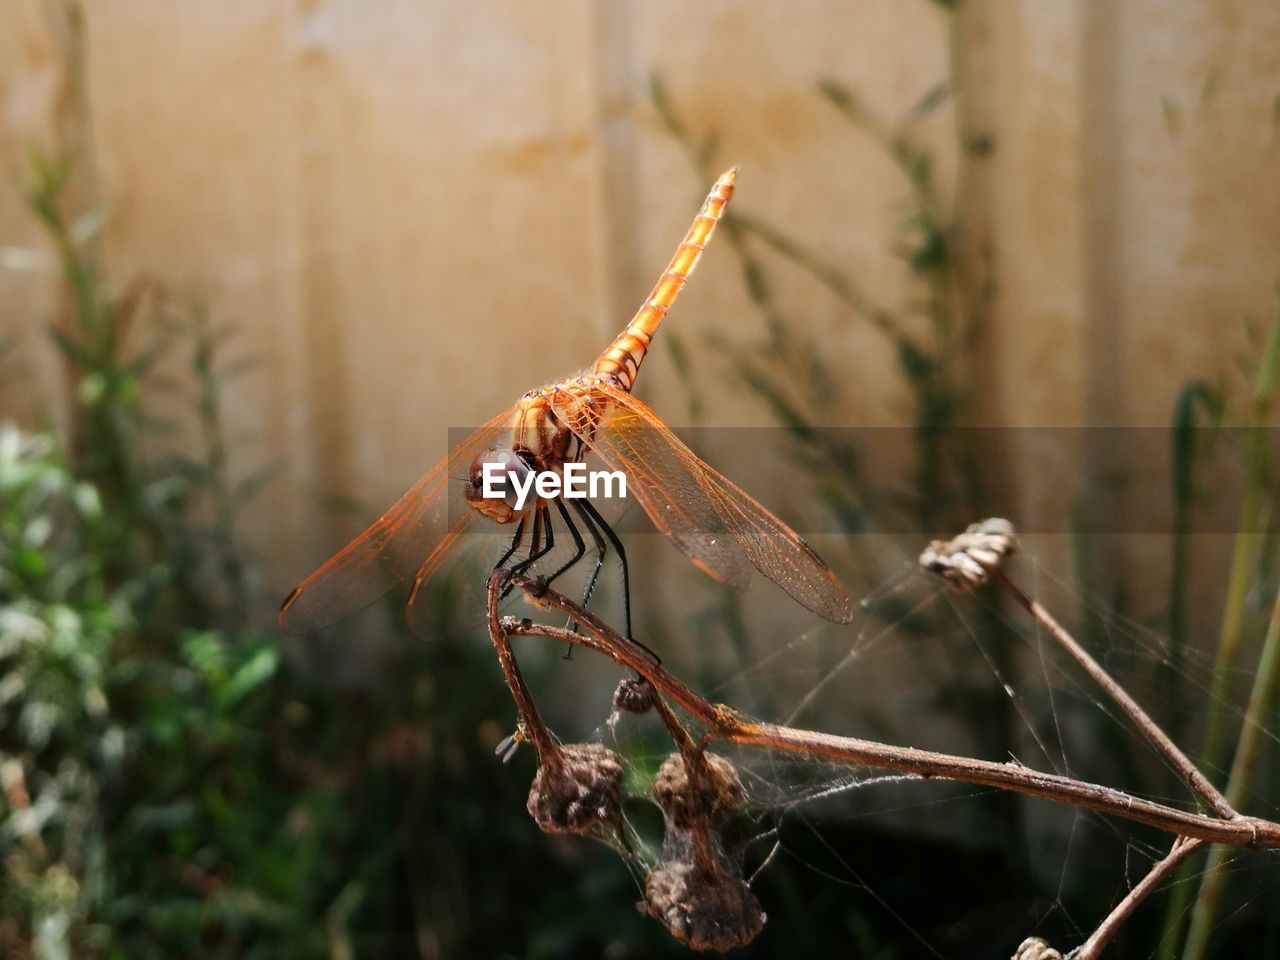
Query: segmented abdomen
623	357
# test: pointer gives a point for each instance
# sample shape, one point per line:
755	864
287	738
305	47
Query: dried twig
973	559
1182	848
970	560
727	724
1141	719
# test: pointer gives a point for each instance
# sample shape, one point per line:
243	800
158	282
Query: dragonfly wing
658	478
409	537
713	521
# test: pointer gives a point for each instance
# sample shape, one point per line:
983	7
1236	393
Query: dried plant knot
705	800
580	792
634	695
965	562
703	911
1033	948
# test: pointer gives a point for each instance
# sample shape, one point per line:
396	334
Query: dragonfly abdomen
623	357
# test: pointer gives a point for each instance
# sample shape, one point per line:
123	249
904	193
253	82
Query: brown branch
968	561
1182	848
724	723
1141	719
530	724
973	559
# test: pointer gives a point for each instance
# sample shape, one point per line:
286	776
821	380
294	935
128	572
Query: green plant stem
1242	770
835	280
217	464
1244	551
1243	555
1183	454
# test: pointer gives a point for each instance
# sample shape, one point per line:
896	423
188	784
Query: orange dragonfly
714	523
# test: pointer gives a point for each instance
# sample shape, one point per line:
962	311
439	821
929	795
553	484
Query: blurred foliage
1231	746
182	791
131	705
173	784
115	731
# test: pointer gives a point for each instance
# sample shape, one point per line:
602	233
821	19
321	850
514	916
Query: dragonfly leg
601	551
515	545
541	532
599	522
579	548
541	520
516	540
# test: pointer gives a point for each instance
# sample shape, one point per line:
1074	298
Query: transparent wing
716	524
410	537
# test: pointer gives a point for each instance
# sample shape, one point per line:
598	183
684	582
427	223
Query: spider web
963	674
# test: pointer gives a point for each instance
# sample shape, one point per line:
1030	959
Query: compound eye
498	467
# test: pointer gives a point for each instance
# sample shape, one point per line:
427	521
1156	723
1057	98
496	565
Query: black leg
599	522
579	548
541	524
601	551
515	545
541	521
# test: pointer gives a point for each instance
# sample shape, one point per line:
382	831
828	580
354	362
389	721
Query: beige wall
413	212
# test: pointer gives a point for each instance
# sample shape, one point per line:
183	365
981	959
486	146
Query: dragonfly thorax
540	443
539	433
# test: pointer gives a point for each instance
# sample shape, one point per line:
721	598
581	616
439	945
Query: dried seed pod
705	800
1033	948
634	695
705	911
965	562
580	792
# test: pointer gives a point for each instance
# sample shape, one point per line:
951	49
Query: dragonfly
718	526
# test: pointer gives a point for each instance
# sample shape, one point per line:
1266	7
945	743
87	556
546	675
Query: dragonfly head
508	473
